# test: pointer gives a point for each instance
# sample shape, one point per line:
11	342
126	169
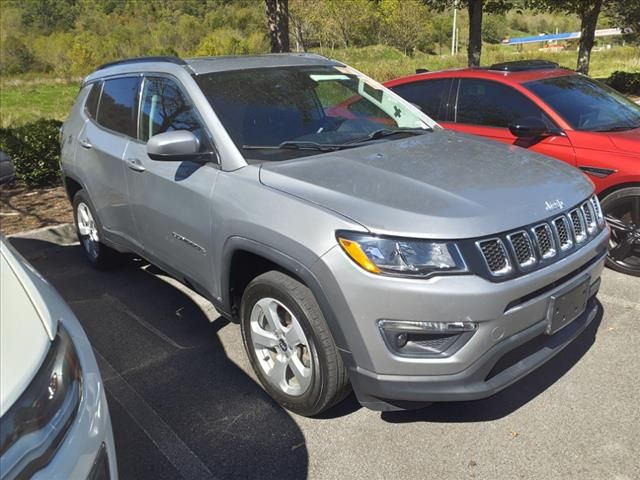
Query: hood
627	141
437	185
25	328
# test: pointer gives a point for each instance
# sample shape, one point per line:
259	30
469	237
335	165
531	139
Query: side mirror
174	146
531	127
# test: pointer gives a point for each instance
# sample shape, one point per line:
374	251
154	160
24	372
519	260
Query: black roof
524	65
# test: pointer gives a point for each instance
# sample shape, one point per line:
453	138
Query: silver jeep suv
358	244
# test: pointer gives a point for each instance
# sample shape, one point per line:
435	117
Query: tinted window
118	105
430	95
165	108
91	105
483	102
261	108
586	104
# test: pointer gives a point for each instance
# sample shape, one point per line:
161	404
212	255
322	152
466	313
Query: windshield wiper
618	128
298	145
387	132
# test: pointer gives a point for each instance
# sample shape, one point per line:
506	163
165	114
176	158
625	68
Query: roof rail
524	65
126	61
421	70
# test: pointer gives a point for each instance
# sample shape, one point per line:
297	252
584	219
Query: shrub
625	82
35	151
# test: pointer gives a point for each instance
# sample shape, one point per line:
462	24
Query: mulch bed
23	209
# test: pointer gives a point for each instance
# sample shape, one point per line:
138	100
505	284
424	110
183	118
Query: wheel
622	212
88	229
290	346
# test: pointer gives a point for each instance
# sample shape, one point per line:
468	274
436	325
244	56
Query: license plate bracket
567	305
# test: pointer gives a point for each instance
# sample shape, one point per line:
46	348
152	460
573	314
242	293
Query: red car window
483	102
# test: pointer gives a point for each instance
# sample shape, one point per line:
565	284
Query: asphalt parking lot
185	404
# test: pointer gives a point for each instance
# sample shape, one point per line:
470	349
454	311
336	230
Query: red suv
553	111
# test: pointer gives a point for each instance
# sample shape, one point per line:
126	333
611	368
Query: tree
475	8
588	11
278	24
625	15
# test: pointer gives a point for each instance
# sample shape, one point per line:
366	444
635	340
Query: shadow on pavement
512	398
161	348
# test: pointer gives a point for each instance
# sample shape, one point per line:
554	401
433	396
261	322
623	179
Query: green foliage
405	25
24	101
494	28
229	41
35	151
15	57
625	82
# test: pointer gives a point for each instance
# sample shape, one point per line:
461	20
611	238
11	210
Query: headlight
32	429
401	256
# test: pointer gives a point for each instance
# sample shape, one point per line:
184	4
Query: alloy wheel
623	216
281	346
87	230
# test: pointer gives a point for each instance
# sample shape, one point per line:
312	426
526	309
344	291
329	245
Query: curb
64	234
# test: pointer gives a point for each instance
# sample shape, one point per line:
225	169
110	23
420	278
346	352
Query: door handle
84	143
135	164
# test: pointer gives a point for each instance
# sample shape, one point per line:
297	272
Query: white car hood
25	330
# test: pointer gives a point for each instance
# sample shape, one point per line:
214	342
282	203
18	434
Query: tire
89	233
300	332
622	210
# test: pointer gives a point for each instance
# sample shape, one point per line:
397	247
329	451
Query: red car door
487	108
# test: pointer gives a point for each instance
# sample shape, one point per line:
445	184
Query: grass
384	63
22	102
29	97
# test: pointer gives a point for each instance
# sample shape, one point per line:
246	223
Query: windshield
286	112
586	104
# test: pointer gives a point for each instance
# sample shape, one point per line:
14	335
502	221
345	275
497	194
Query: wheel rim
281	347
87	230
623	216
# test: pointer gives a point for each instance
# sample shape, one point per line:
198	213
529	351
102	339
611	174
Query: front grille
544	240
577	224
495	255
589	217
534	246
562	230
522	248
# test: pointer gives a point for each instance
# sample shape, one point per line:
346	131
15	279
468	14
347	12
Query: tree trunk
475	32
589	19
278	24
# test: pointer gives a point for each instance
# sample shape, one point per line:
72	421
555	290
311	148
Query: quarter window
165	108
483	102
91	105
118	105
430	95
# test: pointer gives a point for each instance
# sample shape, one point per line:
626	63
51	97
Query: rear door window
118	105
430	95
483	102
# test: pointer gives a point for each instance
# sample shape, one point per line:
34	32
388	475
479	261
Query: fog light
425	339
401	340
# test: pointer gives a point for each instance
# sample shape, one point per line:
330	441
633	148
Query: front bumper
89	441
511	319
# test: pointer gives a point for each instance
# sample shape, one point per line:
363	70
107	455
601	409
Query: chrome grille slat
495	256
544	241
589	217
522	248
577	225
561	227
